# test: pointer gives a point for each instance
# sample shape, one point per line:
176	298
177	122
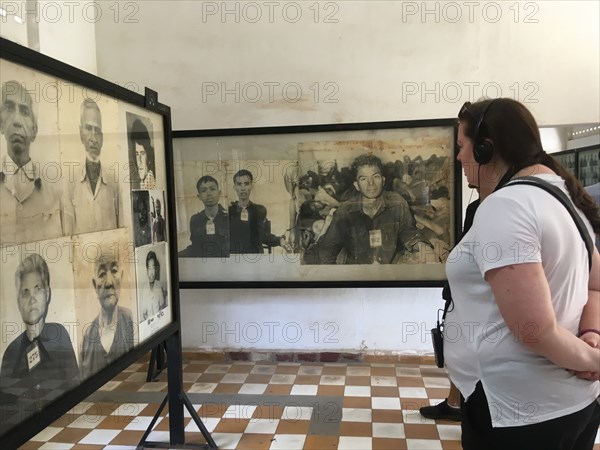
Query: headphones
484	150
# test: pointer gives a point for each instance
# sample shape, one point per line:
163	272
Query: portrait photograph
158	216
104	277
38	351
589	166
152	274
202	218
142	219
30	168
94	176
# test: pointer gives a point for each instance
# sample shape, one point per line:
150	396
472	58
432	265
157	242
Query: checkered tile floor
247	405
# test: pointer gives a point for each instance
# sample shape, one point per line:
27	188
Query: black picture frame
588	165
273	150
568	158
32	422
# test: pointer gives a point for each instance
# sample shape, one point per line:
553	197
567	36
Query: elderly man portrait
30	207
41	358
111	333
93	196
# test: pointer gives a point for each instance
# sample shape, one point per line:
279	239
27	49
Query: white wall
377	60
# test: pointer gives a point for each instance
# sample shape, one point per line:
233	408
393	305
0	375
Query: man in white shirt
93	202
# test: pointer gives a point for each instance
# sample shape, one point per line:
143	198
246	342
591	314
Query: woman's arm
524	300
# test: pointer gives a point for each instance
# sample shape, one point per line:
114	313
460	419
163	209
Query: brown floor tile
269	412
279	389
389	444
384	391
321	442
419	431
129	386
330	390
258	378
307	379
65	420
456	445
31	445
358	381
115	422
127	437
383	371
334	370
387	416
437	392
241	368
410	382
210	378
194	438
357	402
102	409
232	425
163	425
152	408
289	370
87	447
356	429
227	388
70	435
255	442
293	427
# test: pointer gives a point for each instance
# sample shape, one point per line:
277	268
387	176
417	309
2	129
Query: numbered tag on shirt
375	238
210	227
244	215
33	355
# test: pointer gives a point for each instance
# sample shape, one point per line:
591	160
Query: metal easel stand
158	358
177	399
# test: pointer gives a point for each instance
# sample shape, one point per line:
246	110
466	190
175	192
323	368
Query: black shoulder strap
567	203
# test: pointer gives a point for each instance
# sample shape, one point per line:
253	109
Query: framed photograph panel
333	205
86	236
567	158
588	164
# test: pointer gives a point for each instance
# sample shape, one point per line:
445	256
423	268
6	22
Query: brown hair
516	137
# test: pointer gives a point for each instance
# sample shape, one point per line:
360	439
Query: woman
522	341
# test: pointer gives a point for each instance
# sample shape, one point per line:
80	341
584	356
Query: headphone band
480	121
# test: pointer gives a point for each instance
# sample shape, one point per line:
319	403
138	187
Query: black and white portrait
142	219
142	162
30	170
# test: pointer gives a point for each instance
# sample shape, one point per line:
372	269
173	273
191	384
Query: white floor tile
46	434
333	380
283	379
383	381
436	382
423	444
218	368
129	409
356	415
100	437
310	370
355	443
358	371
295	413
408	372
304	389
253	388
415	417
357	391
234	378
140	423
202	388
388	430
209	422
262	426
155	386
412	392
449	432
226	441
385	403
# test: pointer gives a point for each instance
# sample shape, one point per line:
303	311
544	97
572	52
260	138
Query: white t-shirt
516	225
